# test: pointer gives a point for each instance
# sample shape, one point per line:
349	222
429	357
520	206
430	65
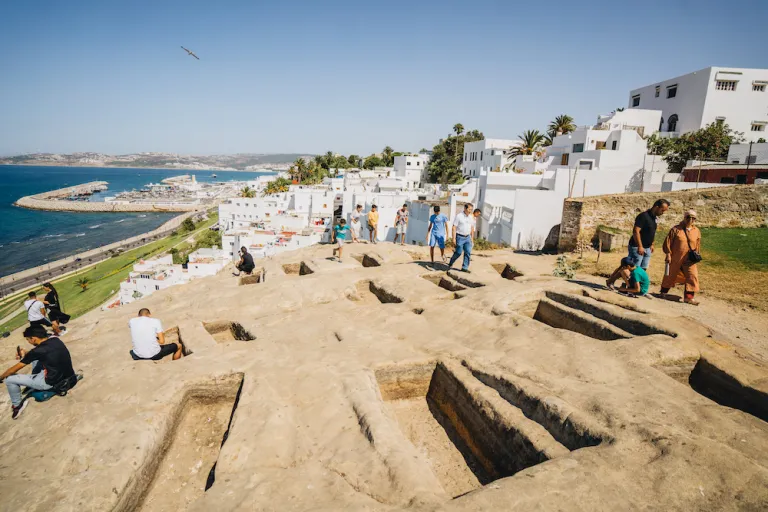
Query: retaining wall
735	206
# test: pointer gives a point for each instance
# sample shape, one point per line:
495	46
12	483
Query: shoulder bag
693	256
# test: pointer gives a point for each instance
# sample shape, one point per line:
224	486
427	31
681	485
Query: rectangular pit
506	271
224	331
444	282
716	384
366	292
366	260
173	335
470	435
560	316
257	277
183	466
301	269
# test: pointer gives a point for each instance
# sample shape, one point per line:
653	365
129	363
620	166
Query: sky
346	76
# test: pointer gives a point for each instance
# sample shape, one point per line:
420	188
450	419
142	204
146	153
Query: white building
149	276
485	155
737	96
412	169
206	262
748	154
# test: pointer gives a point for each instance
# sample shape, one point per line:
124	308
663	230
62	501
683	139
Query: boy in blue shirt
636	280
436	233
340	231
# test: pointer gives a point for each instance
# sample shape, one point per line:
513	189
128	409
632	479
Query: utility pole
749	156
698	176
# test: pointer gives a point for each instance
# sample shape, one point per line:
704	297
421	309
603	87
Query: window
672	91
465	157
658	91
481	155
672	123
762	175
407	163
725	85
741	179
493	152
599	144
758	86
758	127
614	144
157	287
578	148
719	120
636	100
585	164
726	179
418	164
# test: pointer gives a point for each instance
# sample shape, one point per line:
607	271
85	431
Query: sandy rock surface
382	383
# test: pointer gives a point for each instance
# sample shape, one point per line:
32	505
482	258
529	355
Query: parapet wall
48	201
736	206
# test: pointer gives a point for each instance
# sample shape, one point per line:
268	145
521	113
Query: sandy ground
375	388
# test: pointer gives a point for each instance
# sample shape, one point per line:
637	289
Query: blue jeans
641	261
33	381
463	244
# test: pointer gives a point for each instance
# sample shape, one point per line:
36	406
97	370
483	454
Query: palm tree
458	128
530	141
387	156
301	168
547	140
354	160
246	191
329	158
83	283
561	125
277	186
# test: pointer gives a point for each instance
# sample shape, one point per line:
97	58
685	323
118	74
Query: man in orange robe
681	240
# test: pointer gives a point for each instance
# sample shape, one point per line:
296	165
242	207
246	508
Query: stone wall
737	206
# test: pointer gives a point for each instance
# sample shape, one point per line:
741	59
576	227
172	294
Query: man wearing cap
682	240
636	281
51	363
644	232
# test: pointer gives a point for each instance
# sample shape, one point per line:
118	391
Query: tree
301	169
373	161
709	143
761	140
388	156
445	164
547	140
188	224
353	160
276	186
530	142
561	125
83	283
423	150
660	145
246	191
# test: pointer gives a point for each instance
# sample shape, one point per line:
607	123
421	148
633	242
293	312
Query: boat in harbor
214	175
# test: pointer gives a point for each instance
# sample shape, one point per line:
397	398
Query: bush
188	225
563	268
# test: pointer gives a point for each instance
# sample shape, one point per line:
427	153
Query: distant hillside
240	161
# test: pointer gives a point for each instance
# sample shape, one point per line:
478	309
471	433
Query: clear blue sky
312	76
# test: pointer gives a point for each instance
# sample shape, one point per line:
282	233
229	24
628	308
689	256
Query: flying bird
190	52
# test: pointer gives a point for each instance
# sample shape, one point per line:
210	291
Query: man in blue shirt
436	233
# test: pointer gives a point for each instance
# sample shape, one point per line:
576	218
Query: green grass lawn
104	279
734	268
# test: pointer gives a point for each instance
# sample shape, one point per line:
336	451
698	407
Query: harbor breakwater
54	201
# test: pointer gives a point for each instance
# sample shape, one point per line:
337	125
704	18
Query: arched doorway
672	123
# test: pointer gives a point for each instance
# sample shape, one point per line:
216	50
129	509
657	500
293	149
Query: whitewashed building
736	96
485	155
412	169
206	262
748	154
149	276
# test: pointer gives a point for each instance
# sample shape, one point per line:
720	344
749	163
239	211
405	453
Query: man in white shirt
149	340
355	225
464	228
36	313
401	224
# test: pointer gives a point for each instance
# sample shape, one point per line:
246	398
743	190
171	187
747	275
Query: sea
29	238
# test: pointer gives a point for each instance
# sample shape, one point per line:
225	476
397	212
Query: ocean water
29	238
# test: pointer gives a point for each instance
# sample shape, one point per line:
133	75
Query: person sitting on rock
636	280
51	365
149	340
246	262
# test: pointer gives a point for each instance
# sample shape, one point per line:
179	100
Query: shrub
563	268
188	225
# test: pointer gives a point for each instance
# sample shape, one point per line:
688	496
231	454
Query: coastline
49	270
104	166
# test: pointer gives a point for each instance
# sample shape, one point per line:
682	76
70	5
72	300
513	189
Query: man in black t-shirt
51	364
246	262
643	234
